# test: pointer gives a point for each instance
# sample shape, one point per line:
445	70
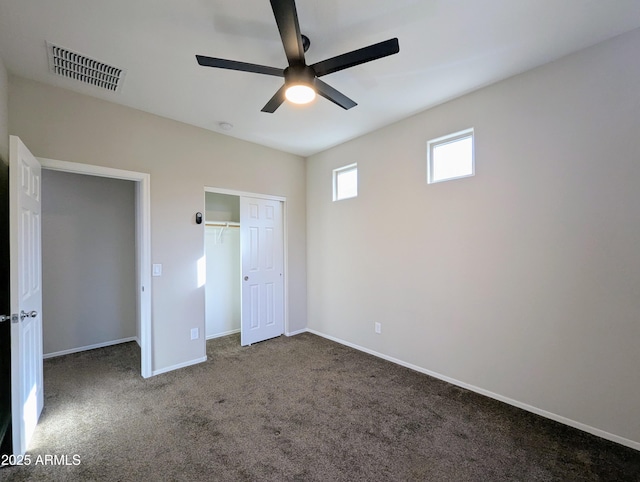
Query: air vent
76	66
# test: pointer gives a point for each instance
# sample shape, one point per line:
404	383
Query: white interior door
262	252
26	293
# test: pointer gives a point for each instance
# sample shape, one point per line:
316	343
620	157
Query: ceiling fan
301	81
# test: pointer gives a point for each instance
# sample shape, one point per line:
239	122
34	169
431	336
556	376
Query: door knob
246	278
31	314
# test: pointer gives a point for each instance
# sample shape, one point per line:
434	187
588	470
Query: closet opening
245	252
83	300
222	251
88	262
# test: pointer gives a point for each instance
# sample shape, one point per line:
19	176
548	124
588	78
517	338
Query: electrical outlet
378	328
194	334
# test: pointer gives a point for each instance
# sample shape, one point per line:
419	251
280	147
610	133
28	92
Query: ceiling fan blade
287	19
242	66
338	98
275	101
357	57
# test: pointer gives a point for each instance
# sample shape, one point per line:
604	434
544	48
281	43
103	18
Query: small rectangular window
345	182
450	157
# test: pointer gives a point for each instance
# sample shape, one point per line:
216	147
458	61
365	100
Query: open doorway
88	262
142	260
245	249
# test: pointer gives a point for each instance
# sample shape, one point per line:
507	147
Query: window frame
336	174
448	139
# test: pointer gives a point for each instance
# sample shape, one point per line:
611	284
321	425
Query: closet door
262	248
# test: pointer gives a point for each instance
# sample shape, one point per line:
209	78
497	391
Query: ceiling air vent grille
76	66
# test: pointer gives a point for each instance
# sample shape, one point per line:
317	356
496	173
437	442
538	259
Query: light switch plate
157	270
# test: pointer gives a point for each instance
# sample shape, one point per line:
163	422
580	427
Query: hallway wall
88	261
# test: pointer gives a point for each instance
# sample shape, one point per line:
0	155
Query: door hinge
14	318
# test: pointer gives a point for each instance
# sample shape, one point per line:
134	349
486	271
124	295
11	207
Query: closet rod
223	225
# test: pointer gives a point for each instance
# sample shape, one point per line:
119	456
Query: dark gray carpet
300	408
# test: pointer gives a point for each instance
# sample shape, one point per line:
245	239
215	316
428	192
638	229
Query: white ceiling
447	48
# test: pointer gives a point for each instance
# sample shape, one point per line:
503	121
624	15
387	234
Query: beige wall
522	281
88	261
182	160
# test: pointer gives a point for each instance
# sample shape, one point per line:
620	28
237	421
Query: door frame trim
285	238
143	243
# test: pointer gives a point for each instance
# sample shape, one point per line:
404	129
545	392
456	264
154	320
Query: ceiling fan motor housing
306	43
299	74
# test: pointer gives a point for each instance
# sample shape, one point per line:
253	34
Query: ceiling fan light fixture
301	81
300	94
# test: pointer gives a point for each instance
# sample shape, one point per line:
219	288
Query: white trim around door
143	244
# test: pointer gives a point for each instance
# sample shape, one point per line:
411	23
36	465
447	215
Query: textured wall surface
181	160
522	281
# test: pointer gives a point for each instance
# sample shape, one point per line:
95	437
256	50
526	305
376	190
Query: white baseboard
89	347
529	408
294	333
179	365
219	335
